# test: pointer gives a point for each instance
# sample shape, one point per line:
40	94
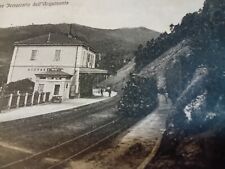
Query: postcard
101	84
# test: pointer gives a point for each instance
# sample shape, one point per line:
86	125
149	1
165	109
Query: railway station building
57	63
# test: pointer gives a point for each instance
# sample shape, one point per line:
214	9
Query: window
83	61
56	90
33	55
88	60
92	60
88	57
57	55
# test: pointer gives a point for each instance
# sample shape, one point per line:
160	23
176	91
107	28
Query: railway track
57	156
48	120
41	132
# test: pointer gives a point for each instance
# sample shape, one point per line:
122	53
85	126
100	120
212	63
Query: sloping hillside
167	60
114	45
188	64
195	127
118	81
158	68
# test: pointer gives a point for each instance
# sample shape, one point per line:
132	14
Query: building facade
53	51
54	81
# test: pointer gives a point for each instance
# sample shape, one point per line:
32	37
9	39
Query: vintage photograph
112	84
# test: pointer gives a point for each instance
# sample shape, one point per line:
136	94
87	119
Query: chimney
70	32
49	37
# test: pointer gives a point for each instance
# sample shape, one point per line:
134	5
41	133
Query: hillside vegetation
115	46
188	63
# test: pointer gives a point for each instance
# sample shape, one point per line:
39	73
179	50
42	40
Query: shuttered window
33	55
57	55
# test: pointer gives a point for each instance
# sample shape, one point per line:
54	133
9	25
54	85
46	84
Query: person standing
102	91
110	91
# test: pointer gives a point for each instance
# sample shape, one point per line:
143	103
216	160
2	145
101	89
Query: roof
53	39
93	71
54	73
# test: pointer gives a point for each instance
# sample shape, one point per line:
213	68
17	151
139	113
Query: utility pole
2	96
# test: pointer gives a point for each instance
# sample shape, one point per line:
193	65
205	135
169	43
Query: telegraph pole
2	95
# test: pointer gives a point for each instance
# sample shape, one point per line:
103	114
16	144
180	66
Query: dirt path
130	149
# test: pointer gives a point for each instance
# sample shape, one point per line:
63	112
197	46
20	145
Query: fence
16	100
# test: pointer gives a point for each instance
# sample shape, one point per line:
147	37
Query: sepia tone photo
122	84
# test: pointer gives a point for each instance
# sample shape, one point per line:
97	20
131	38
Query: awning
93	71
53	73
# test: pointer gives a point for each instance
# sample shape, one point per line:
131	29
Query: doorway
86	84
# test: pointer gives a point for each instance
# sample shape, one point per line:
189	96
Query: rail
59	146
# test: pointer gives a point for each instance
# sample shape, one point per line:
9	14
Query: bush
139	97
25	85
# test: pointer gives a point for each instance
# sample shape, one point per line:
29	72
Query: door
56	89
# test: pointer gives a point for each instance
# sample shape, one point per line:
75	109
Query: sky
109	14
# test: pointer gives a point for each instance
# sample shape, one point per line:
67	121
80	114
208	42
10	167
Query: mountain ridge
115	45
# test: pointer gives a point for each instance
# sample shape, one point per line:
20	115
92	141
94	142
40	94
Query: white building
54	81
66	53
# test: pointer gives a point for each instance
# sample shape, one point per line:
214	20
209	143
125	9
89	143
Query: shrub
139	97
25	85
